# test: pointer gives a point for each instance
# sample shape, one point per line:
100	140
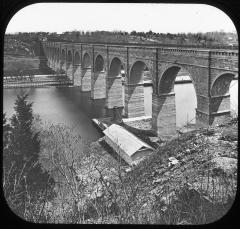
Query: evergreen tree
6	129
6	134
24	143
25	182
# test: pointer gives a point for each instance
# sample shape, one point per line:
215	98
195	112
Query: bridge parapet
224	53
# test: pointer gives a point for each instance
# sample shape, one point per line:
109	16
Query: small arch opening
69	57
137	72
77	59
63	55
86	61
99	64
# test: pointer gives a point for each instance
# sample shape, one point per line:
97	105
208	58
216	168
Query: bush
230	134
208	132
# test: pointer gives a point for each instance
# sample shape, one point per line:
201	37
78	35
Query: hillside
16	47
198	188
22	57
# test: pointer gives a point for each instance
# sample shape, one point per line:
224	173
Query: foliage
215	38
6	130
93	187
229	134
24	183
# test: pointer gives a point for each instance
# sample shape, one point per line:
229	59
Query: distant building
127	145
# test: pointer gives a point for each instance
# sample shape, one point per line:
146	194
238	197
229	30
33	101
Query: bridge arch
168	77
98	80
63	55
54	59
220	96
86	60
134	90
77	69
169	111
137	72
86	72
99	64
69	57
220	86
77	60
114	84
115	67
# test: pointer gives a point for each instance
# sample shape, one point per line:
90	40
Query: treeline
215	38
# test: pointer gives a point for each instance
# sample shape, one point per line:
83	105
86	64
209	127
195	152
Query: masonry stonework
211	72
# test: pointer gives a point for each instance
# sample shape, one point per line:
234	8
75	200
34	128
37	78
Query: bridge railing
232	47
188	49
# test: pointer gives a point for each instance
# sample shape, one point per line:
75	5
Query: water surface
76	109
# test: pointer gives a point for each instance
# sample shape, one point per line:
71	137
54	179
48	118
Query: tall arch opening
77	69
63	61
86	73
63	55
69	58
134	91
98	82
86	61
58	54
54	59
233	91
77	59
185	100
221	98
69	65
174	108
114	84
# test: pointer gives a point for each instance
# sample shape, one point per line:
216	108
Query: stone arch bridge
97	68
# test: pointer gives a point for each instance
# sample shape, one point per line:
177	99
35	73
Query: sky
161	18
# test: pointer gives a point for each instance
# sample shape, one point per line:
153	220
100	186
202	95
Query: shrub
230	134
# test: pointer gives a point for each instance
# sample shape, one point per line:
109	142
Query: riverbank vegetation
52	175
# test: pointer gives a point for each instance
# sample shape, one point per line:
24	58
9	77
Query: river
76	109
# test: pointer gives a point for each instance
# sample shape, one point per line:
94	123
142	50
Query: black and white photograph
120	113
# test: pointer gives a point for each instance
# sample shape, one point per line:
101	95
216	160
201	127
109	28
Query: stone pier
98	85
134	100
114	92
69	71
212	111
63	66
57	64
164	115
77	75
86	79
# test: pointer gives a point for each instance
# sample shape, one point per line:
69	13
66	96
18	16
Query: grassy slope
12	63
18	56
